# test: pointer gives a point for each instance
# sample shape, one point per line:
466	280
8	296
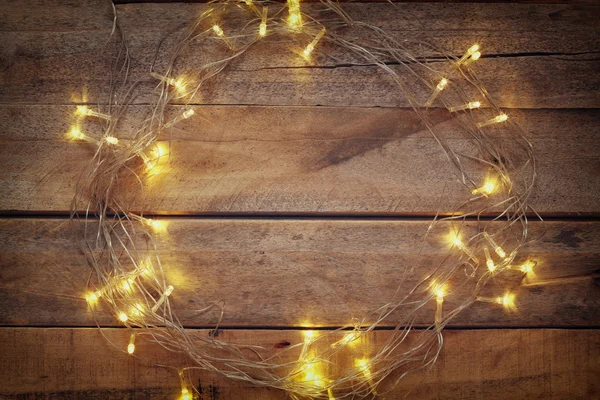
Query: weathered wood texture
534	55
298	159
290	272
480	364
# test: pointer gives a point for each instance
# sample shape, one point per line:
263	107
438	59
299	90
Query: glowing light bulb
489	186
218	31
311	46
330	394
185	394
439	291
137	310
262	29
455	239
178	84
85	111
507	301
501	253
123	317
489	262
348	338
111	140
468	106
131	345
527	266
362	365
440	86
295	16
91	297
76	134
162	298
496	120
470	52
308	336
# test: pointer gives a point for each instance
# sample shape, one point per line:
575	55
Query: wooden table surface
313	187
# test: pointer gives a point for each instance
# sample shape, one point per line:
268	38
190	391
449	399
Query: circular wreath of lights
496	172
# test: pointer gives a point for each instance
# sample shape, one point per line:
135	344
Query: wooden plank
290	272
526	45
299	159
474	364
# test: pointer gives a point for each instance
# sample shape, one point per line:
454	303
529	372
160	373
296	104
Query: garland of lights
128	276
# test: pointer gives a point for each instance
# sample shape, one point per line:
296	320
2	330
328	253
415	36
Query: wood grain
298	159
293	272
535	56
479	364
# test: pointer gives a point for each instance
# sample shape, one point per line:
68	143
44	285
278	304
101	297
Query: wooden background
315	186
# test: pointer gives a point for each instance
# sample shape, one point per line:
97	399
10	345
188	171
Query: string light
527	266
162	298
507	301
185	393
311	46
496	120
219	32
489	186
184	115
489	262
122	317
85	111
495	245
439	291
295	16
348	338
121	287
470	52
458	243
131	345
262	29
178	84
473	58
468	106
111	140
362	365
440	86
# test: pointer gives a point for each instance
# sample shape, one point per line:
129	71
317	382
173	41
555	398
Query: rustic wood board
299	159
294	272
479	364
49	64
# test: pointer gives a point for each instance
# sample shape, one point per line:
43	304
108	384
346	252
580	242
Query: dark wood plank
479	364
534	56
297	159
288	272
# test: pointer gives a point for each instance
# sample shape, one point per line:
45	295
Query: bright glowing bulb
131	345
123	317
311	46
496	120
489	262
85	111
91	297
468	106
127	284
440	86
188	113
470	52
476	56
76	134
295	16
489	186
455	240
185	394
218	31
309	336
111	140
527	266
262	29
